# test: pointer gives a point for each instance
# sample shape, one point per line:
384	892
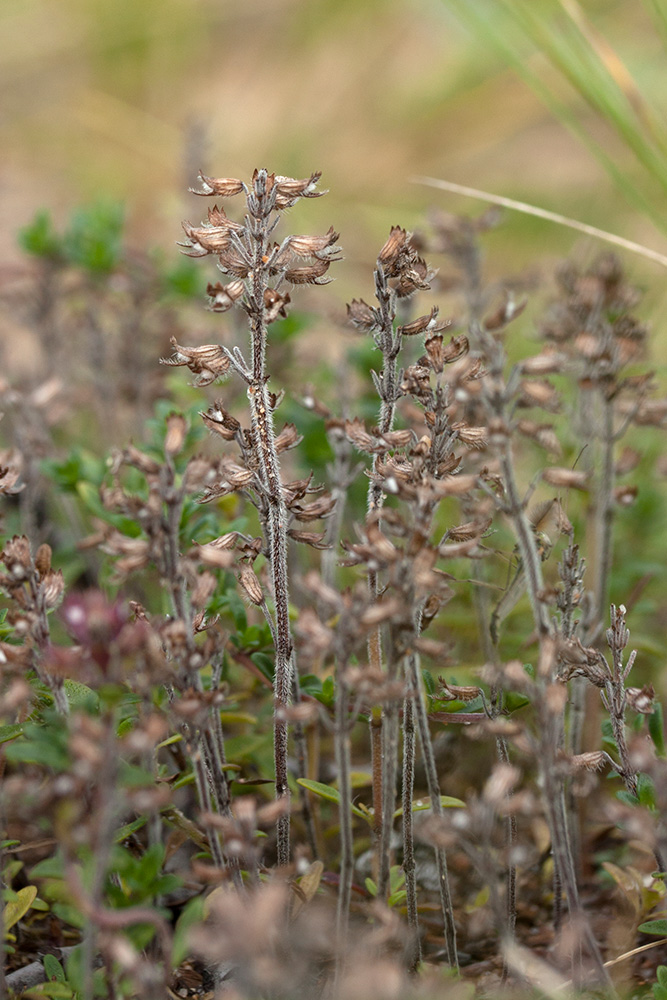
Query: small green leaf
646	791
10	732
329	793
55	990
17	907
128	829
53	968
193	913
446	801
661	973
658	927
656	728
81	696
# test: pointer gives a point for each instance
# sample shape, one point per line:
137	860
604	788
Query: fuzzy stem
390	345
277	518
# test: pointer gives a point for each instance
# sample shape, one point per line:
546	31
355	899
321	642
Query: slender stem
412	673
276	518
390	344
342	749
604	510
409	866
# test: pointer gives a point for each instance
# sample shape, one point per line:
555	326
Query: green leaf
661	973
56	990
646	791
53	968
329	793
128	829
447	801
658	927
80	696
193	913
10	732
48	868
69	914
656	728
17	907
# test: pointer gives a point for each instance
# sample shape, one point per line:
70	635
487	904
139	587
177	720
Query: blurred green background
128	99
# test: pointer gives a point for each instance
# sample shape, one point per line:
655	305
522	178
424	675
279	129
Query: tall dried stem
258	267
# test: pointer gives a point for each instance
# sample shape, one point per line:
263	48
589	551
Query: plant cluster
307	693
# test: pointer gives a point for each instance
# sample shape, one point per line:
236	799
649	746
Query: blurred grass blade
514	29
658	9
543	213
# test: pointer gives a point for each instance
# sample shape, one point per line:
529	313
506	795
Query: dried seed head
218	420
566	478
53	588
275	305
221	187
207	238
456	692
250	584
289	190
543	435
625	496
424	324
215	555
316	539
361	315
503	779
440	354
43	560
311	274
541	393
232	261
288	438
176	431
641	700
16	557
208	362
474	437
594	760
390	253
547	363
222	297
321	247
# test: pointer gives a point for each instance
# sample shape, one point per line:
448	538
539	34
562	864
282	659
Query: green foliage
659	989
39	237
93	237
